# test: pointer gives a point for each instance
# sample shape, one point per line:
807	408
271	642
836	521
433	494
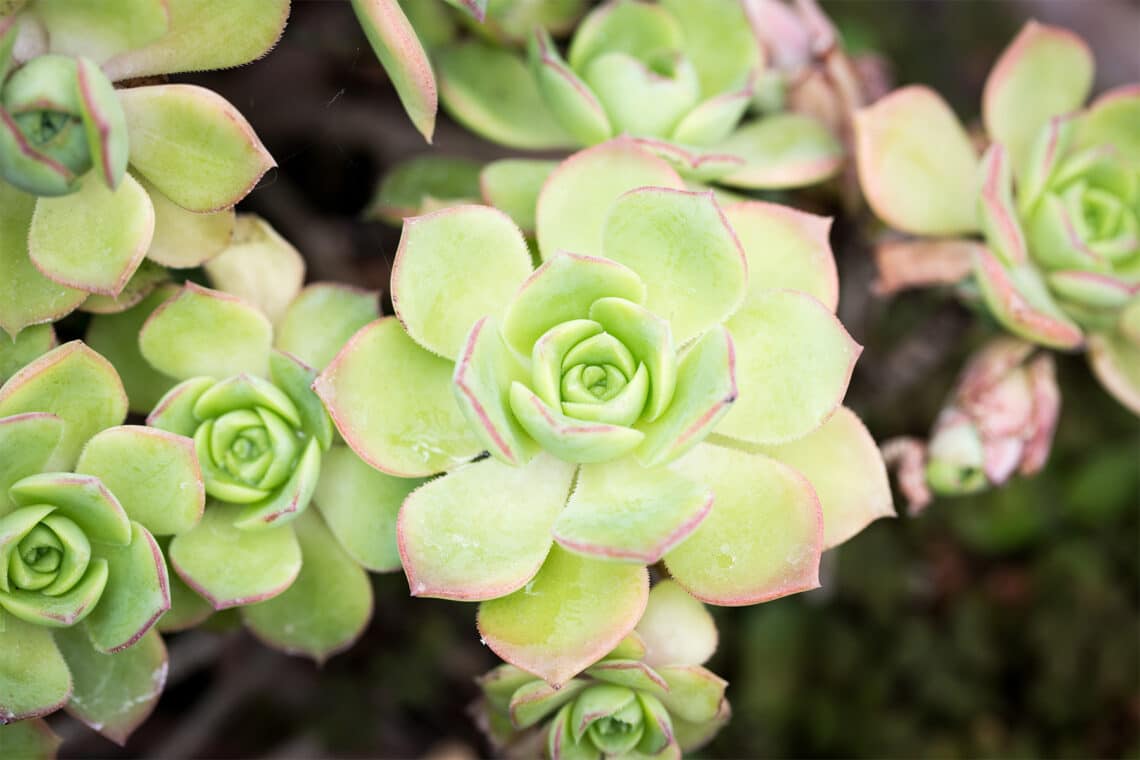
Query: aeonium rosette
102	185
648	697
1056	197
667	362
82	577
233	374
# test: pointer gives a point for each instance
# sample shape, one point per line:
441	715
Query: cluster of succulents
600	371
1055	197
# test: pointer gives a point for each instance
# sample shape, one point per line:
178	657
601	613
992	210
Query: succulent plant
237	383
667	362
1056	197
999	420
648	697
678	75
83	579
96	178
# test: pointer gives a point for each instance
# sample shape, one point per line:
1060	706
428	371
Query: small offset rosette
648	697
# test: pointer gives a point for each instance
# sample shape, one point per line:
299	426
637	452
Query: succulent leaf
321	319
469	258
25	347
258	266
27	443
360	505
621	510
676	628
1046	71
403	57
843	464
748	551
782	150
512	185
570	614
202	332
153	474
577	197
415	428
136	595
231	567
453	534
288	621
93	239
114	693
793	362
193	145
48	385
36	679
1116	362
916	165
570	100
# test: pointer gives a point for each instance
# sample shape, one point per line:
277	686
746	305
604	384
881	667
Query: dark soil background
999	626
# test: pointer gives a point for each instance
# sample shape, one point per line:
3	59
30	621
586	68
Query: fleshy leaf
230	567
631	673
174	413
640	100
191	144
392	401
51	384
916	165
1046	71
63	610
786	249
29	344
621	510
154	475
482	382
290	622
578	195
187	607
114	693
202	332
31	738
567	438
649	340
535	700
676	628
27	442
843	464
26	296
1000	225
706	389
409	186
713	120
452	268
1018	298
103	118
259	266
36	680
92	239
761	541
295	380
403	57
206	34
1116	363
680	244
512	186
1111	120
322	318
782	150
719	42
142	283
453	540
82	499
562	289
102	30
360	505
116	337
793	362
569	99
492	93
183	238
695	694
136	596
637	29
574	611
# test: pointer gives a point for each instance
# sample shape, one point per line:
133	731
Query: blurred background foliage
1002	625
